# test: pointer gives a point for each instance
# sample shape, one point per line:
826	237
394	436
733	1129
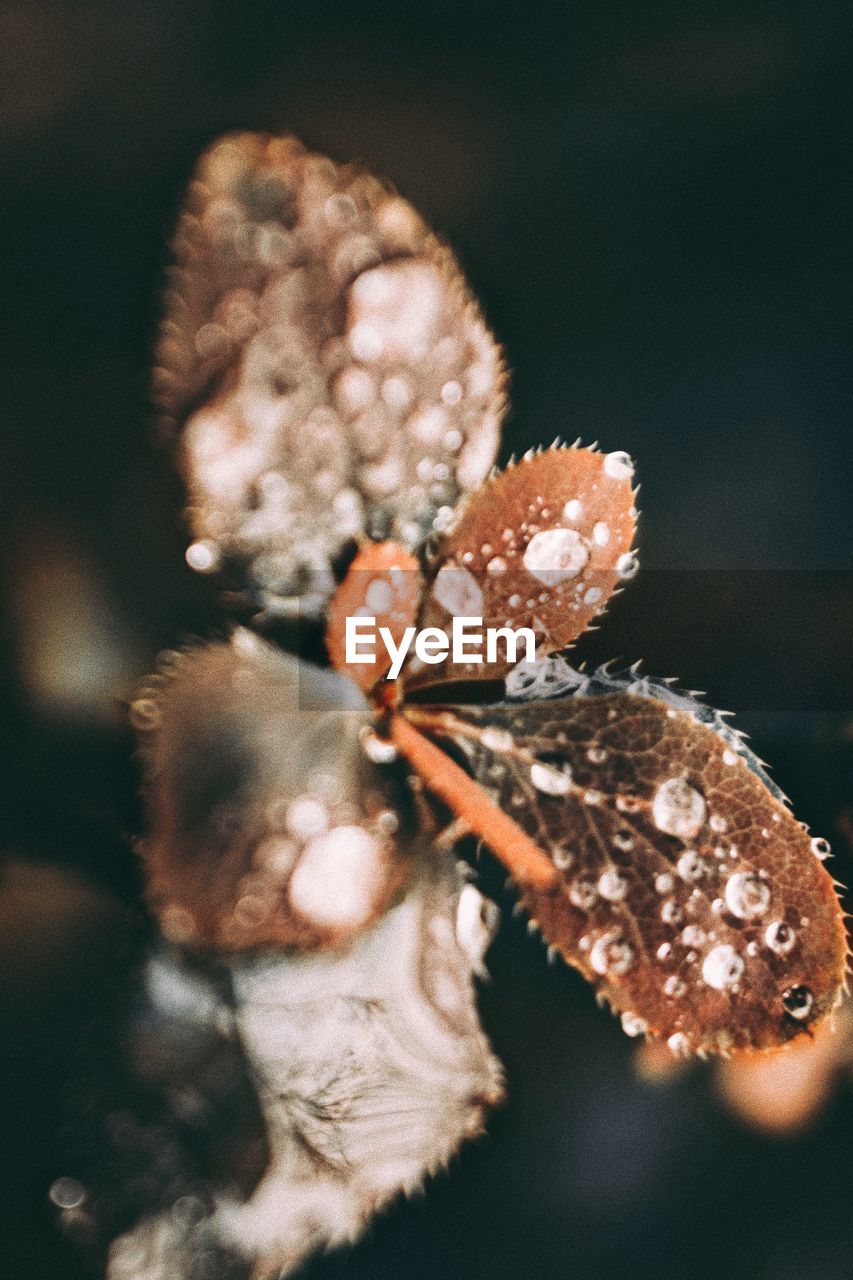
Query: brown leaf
322	364
383	582
272	818
541	546
689	896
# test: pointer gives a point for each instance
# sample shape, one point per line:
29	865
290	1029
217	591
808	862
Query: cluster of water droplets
679	809
554	557
322	859
366	392
721	913
556	554
720	962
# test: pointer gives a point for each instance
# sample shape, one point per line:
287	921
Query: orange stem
520	855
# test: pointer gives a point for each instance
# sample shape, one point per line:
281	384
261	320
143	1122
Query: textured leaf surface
542	546
274	815
383	582
323	364
689	895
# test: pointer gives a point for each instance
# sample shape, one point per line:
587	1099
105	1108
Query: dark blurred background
652	203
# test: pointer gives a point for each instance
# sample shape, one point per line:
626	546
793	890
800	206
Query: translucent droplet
592	595
177	924
691	866
671	912
596	755
583	895
212	340
746	896
611	955
497	564
551	780
379	595
619	466
67	1193
555	554
251	909
573	510
797	1002
495	739
628	565
203	556
633	1024
476	921
340	209
730	757
717	822
377	749
722	967
601	533
612	886
145	714
397	393
338	879
664	950
674	987
445	519
678	809
306	817
624	840
693	936
276	854
780	937
664	883
678	1045
355	390
365	342
459	592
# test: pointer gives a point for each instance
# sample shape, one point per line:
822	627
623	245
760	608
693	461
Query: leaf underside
689	895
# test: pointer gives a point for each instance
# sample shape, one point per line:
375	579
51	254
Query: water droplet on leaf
678	809
797	1002
722	967
611	955
746	896
552	781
